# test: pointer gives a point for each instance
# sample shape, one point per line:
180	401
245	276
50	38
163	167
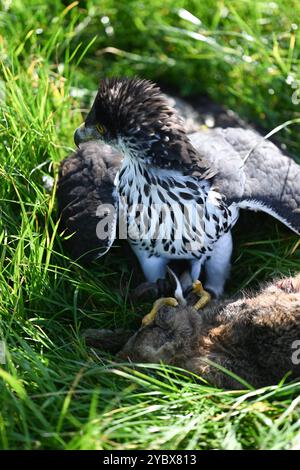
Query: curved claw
150	317
205	296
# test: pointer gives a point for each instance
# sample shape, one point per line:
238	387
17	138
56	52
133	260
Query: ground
54	393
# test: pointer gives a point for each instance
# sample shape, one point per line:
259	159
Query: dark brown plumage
86	184
135	111
253	337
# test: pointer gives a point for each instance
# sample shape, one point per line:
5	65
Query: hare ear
86	199
111	341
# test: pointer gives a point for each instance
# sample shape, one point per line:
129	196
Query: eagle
177	195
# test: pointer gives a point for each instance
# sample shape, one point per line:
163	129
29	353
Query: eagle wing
87	205
253	172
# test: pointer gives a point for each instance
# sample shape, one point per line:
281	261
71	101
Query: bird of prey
180	195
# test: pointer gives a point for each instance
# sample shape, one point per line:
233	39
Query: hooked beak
84	133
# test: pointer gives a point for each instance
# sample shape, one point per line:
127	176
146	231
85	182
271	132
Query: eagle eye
101	129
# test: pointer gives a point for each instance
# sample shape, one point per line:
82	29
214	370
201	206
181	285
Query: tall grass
54	393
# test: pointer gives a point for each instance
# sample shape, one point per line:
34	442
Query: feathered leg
217	268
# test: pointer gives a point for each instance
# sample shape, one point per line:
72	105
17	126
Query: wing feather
267	181
85	197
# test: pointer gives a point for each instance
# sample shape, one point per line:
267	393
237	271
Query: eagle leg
150	317
205	296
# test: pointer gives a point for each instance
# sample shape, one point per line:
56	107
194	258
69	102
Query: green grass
54	393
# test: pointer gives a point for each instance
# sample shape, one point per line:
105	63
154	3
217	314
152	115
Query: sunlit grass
54	393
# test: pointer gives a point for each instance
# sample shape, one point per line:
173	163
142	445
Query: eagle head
133	116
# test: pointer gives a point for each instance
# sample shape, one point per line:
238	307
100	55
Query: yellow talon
205	296
150	317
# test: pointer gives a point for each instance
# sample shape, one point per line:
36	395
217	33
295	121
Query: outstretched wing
267	180
86	200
